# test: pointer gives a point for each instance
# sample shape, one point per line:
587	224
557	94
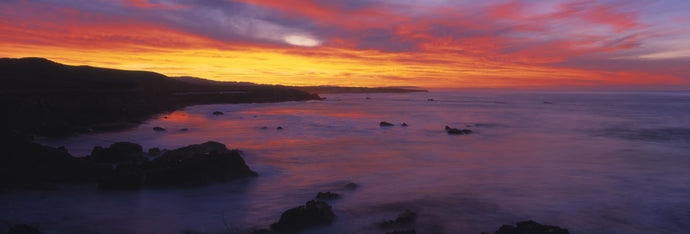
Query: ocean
591	162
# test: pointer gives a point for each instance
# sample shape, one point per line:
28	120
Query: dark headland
42	97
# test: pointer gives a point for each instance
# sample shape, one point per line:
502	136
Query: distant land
44	98
311	89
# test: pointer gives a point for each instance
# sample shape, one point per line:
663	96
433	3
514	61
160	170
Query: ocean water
592	162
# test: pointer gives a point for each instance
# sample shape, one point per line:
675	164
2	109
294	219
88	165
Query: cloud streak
364	42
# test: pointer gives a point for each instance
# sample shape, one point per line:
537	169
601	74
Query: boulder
313	213
117	152
125	176
154	151
327	196
189	166
217	113
386	124
531	227
197	165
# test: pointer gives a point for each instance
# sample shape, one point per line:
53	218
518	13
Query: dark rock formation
154	151
531	227
405	218
24	164
327	196
190	166
314	213
217	113
197	165
184	129
279	128
455	131
128	175
386	124
23	229
158	129
117	152
404	124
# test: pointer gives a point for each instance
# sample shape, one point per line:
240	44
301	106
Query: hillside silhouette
42	97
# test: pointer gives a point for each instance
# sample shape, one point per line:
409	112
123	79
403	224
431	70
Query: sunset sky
433	43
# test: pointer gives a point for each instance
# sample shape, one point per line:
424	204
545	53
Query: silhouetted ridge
47	98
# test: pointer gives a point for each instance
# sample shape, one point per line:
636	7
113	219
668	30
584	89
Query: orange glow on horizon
435	55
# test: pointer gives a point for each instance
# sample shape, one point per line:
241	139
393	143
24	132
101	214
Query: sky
432	43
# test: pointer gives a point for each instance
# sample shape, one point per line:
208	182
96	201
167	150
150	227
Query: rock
407	217
154	151
125	176
367	98
531	227
455	131
217	113
410	231
184	129
190	166
327	196
403	124
158	129
117	152
264	128
279	128
385	124
351	186
313	213
196	165
23	229
431	99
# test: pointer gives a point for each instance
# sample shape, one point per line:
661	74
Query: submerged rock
158	129
327	196
386	124
313	213
531	227
455	131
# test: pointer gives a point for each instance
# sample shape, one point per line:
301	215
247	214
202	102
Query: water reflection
526	160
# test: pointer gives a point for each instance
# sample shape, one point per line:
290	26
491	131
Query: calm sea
592	162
